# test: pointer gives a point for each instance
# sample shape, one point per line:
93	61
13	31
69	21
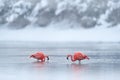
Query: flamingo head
47	58
32	56
86	57
68	56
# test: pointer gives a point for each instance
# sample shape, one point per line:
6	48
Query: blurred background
44	20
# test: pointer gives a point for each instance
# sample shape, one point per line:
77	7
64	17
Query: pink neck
72	58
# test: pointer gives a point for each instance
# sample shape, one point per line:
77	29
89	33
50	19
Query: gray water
15	63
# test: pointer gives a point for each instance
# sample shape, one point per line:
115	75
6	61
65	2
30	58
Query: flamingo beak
87	58
67	58
31	56
47	58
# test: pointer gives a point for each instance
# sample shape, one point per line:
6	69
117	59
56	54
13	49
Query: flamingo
39	56
77	56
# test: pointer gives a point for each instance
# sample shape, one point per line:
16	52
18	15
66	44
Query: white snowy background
60	20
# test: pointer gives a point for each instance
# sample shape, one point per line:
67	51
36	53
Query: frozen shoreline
56	35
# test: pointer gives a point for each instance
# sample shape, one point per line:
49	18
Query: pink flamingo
77	56
39	56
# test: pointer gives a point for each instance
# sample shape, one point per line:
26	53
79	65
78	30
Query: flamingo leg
79	61
37	60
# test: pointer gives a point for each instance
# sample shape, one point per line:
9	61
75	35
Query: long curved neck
72	58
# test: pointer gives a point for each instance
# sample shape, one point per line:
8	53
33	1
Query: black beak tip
67	58
48	58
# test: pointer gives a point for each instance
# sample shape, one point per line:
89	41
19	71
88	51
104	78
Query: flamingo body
77	56
39	56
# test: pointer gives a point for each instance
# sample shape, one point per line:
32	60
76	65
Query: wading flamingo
77	56
39	56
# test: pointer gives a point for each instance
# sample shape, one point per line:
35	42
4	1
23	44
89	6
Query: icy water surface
15	64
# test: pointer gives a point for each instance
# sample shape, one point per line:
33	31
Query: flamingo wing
39	56
78	55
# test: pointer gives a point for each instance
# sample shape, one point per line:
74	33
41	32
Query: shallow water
15	63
